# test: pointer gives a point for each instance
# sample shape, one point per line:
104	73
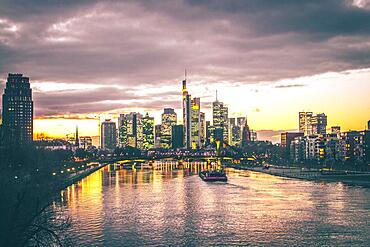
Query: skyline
266	61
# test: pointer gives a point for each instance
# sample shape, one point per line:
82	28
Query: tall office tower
157	136
177	136
246	135
186	110
220	121
209	133
108	135
169	118
202	129
318	124
195	123
148	132
131	130
305	123
17	111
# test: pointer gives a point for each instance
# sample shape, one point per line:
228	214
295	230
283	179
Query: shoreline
352	178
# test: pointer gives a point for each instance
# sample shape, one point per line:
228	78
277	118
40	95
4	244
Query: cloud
290	86
148	44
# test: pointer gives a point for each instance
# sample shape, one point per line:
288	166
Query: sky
268	60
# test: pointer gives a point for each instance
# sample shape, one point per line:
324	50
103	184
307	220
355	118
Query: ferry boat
213	176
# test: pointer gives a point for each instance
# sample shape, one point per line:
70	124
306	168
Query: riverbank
347	177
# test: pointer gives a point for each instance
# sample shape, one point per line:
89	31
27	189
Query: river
174	207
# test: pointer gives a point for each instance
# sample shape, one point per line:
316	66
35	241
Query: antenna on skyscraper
185	74
216	95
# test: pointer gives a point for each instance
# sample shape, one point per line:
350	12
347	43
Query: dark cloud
290	86
139	43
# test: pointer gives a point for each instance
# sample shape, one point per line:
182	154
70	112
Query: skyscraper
17	111
220	121
148	132
178	136
108	135
318	124
157	135
169	118
195	123
305	122
202	129
130	128
186	109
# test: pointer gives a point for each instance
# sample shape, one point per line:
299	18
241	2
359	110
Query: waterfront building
304	122
286	140
17	111
108	135
318	124
177	136
235	133
310	124
209	133
169	118
148	132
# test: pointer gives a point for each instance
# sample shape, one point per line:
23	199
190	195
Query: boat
213	176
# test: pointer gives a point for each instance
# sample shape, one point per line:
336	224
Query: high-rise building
157	135
209	133
186	109
169	118
108	135
240	121
148	132
220	121
177	136
195	123
130	127
318	124
368	125
305	122
17	111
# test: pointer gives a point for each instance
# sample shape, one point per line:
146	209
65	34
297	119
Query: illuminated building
253	135
148	132
157	136
169	118
108	135
240	121
85	142
177	136
186	109
209	133
235	132
304	119
130	127
96	141
220	120
286	140
195	123
318	124
17	111
310	124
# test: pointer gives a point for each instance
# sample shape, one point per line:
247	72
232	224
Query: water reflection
166	205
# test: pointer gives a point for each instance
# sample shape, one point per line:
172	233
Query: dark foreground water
173	208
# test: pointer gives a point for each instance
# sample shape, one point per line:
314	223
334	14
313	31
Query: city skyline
265	68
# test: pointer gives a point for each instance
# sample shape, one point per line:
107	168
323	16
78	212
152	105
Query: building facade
177	136
108	135
17	111
148	132
169	118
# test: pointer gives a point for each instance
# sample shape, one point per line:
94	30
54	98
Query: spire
216	95
185	74
77	141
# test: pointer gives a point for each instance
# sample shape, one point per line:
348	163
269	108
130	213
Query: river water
174	207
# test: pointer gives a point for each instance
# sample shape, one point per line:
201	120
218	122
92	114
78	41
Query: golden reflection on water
168	204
